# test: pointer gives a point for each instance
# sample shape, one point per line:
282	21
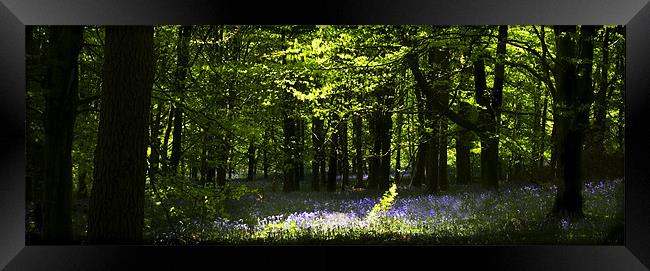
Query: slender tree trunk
398	144
300	150
251	160
442	163
343	159
443	86
357	123
598	154
463	145
333	158
168	131
222	162
116	211
317	141
60	113
181	74
290	173
265	160
375	154
463	165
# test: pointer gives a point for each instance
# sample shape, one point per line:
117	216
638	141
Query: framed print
508	135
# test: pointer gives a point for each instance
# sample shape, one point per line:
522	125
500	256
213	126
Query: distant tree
185	33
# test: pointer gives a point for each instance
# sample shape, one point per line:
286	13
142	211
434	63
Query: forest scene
325	134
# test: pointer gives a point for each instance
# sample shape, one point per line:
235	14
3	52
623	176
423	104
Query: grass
513	214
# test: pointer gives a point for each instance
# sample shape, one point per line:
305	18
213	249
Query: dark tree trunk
433	150
154	143
575	92
442	87
442	163
420	163
168	131
385	139
298	163
463	165
374	166
333	157
82	189
290	172
323	162
463	145
398	144
251	161
317	141
222	162
343	158
357	123
116	211
60	113
181	74
265	160
300	148
542	135
491	116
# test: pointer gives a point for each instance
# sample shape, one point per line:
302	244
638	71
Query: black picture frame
15	14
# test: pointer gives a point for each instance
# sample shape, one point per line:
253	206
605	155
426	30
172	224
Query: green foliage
384	203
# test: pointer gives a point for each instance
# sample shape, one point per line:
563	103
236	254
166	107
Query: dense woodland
241	133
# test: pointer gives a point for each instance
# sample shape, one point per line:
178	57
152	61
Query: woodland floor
464	215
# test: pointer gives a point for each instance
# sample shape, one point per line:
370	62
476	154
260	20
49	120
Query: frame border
15	14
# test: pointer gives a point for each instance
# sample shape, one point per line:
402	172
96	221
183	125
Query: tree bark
343	159
333	156
60	113
575	92
357	123
116	213
181	74
251	160
290	172
398	144
317	141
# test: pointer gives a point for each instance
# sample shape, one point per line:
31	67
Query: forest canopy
307	133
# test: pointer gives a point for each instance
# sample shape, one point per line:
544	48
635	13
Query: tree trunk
301	147
574	94
398	144
116	213
60	113
463	145
385	139
598	152
317	141
463	165
491	116
265	160
442	87
333	157
343	158
442	163
290	172
181	74
222	162
251	161
357	123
